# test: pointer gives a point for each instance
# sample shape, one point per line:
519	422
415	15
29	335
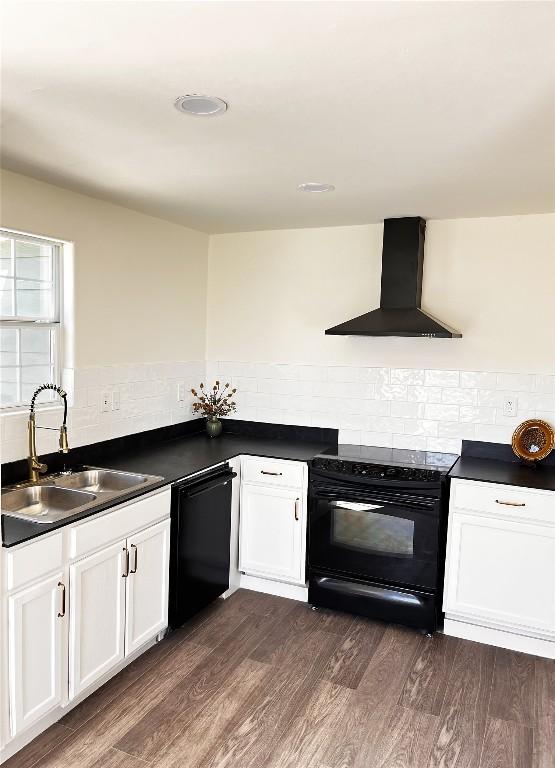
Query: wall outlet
510	406
116	400
181	391
105	402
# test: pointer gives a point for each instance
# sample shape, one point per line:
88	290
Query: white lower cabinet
500	565
147	585
37	667
272	538
97	616
72	619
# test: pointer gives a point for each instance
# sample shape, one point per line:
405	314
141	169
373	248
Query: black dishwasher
200	539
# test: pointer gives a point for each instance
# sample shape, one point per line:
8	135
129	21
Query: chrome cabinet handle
297	509
125	574
135	558
62	611
511	503
275	474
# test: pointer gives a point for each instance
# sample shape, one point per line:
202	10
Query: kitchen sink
45	503
65	494
101	480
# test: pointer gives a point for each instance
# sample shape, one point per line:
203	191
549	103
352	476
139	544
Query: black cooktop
385	463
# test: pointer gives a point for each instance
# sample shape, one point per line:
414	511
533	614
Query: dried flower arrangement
214	402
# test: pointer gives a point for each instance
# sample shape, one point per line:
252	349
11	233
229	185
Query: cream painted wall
140	282
271	295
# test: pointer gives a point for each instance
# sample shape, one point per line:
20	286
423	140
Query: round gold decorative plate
533	440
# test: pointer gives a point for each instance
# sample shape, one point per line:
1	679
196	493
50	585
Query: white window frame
55	324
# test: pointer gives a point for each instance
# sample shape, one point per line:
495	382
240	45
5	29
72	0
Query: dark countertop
505	472
173	460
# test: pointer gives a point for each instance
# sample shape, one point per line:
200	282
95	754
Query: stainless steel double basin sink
67	494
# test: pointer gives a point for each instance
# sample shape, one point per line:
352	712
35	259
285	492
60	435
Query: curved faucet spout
36	468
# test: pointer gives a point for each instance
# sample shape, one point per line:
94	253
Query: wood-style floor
262	682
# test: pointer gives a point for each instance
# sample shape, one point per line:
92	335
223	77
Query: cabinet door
501	571
35	649
147	585
272	533
97	616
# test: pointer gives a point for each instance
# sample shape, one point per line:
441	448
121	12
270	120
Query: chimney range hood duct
402	265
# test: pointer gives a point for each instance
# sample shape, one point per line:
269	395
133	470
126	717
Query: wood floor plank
405	741
303	744
352	738
513	688
426	683
113	758
148	737
544	714
463	717
350	660
32	755
86	745
275	685
204	732
387	670
252	736
506	745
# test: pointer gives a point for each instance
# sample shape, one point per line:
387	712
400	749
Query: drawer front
118	523
34	560
508	501
287	474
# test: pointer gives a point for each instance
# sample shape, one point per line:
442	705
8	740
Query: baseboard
18	742
513	642
271	587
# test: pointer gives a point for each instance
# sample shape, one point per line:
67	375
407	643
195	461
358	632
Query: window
30	282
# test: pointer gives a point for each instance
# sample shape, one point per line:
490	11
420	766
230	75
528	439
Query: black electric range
377	523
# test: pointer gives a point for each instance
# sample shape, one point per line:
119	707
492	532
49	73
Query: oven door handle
355	506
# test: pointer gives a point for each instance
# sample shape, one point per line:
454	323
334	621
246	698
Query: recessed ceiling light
195	104
315	186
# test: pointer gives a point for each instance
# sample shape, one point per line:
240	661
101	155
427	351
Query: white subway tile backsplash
381	439
443	444
406	376
401	407
421	394
545	383
438	411
478	380
456	396
420	427
517	382
391	391
412	442
437	378
466	431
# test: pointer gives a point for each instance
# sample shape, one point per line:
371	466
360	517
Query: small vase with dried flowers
213	403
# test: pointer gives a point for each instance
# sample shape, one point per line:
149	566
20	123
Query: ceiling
441	110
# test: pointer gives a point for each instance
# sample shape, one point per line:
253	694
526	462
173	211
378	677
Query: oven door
378	534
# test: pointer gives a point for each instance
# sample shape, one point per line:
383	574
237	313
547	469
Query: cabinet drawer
33	560
288	474
118	523
504	500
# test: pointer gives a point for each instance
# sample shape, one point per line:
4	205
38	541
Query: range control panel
376	471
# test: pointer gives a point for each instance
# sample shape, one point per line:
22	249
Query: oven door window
364	528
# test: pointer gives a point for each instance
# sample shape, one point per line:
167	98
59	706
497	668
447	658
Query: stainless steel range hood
402	265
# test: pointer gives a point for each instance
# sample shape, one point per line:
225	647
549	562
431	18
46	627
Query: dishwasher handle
196	490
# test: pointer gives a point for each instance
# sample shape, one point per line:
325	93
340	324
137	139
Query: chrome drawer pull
511	503
297	509
276	474
135	552
125	574
62	611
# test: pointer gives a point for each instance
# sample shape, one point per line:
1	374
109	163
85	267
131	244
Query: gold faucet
37	468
